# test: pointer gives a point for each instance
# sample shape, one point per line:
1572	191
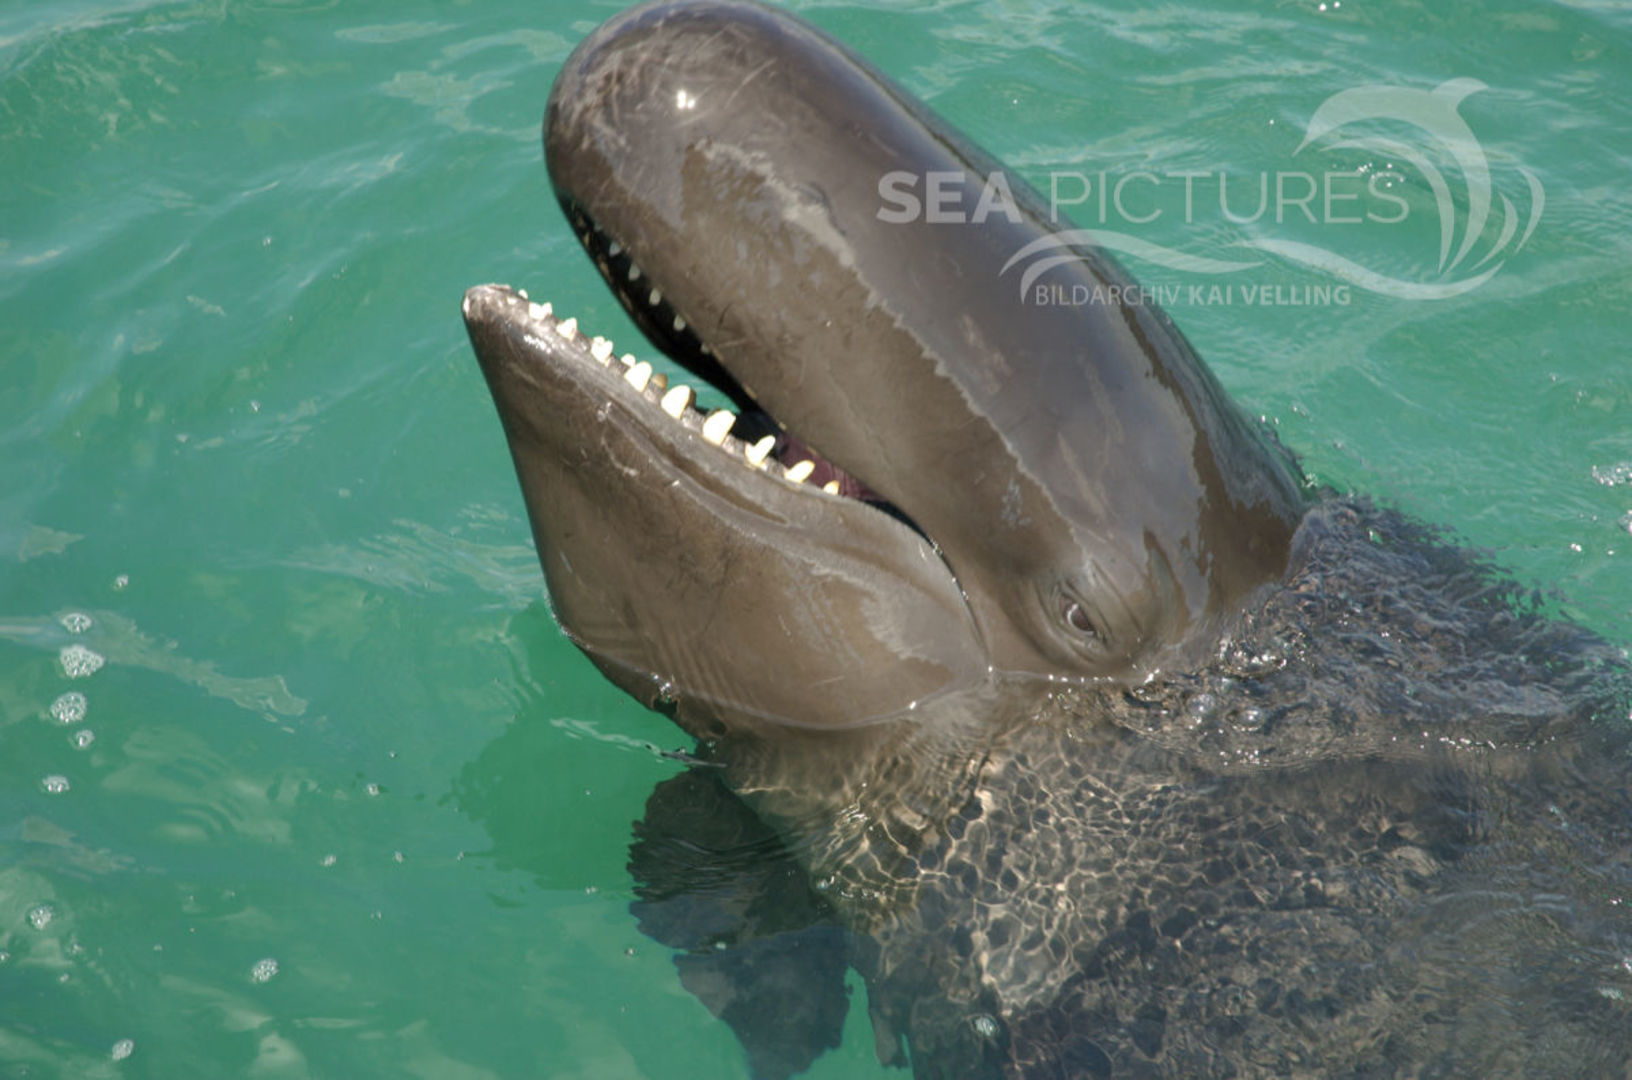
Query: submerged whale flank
1029	678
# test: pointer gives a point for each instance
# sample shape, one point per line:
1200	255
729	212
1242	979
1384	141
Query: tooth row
677	401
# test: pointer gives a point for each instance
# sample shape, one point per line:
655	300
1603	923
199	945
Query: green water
241	432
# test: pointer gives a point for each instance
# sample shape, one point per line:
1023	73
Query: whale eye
1077	616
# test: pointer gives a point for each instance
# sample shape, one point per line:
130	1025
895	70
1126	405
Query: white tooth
655	298
679	324
761	450
675	401
568	329
634	272
718	425
831	487
601	349
614	248
627	359
522	293
801	472
539	312
639	375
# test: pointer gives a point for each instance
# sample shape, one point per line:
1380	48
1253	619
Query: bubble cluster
55	784
76	622
1611	475
41	915
263	971
122	1049
83	738
79	662
69	708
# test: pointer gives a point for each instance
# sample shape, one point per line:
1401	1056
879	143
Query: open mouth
745	432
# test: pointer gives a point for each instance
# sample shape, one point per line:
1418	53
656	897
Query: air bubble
985	1025
83	738
78	661
1613	475
69	708
55	784
263	971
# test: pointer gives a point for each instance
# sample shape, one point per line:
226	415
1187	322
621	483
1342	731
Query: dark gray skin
1070	723
1055	455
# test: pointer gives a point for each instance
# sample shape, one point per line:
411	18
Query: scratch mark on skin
743	85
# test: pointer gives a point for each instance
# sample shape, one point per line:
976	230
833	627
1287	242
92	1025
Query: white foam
78	661
69	708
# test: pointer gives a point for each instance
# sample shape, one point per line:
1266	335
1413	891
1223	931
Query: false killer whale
1028	677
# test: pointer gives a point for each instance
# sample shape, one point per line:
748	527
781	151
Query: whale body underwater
1028	678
